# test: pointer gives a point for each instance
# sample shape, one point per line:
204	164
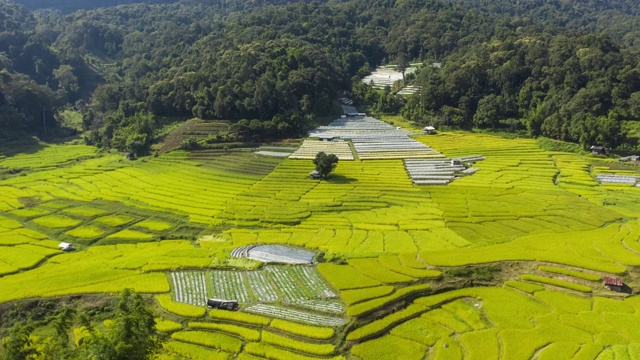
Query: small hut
429	130
223	304
613	284
315	175
64	246
598	150
326	138
129	156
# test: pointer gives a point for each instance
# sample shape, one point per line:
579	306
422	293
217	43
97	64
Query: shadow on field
340	179
21	145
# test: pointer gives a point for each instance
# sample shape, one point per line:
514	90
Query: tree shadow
340	179
20	145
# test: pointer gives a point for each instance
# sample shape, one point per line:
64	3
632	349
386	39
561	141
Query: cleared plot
57	221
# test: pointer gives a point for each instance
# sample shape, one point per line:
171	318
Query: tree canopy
566	70
130	335
325	164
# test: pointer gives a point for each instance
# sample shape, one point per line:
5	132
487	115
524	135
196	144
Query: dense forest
566	70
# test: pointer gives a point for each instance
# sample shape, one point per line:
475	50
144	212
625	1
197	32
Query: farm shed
64	246
632	158
223	304
614	284
430	130
598	150
315	175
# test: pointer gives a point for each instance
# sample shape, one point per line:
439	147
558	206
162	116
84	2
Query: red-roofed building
614	284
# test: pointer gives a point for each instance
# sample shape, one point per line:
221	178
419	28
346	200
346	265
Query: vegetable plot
299	286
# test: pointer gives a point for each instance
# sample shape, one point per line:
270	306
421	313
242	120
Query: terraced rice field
542	218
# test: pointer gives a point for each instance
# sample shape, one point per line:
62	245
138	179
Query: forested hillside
567	70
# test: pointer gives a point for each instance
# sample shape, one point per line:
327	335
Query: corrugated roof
612	281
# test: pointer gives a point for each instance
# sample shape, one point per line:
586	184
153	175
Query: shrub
190	143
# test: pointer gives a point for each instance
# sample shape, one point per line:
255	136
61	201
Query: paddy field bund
541	214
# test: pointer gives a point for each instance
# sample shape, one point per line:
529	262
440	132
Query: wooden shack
613	284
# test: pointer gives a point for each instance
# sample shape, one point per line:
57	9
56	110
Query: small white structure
64	246
430	130
315	175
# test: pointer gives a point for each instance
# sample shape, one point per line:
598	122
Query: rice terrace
456	245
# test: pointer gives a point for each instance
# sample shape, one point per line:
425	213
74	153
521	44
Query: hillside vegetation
563	70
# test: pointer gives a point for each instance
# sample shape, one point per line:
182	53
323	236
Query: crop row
190	287
295	315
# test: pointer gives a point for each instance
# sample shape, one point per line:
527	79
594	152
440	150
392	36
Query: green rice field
403	267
